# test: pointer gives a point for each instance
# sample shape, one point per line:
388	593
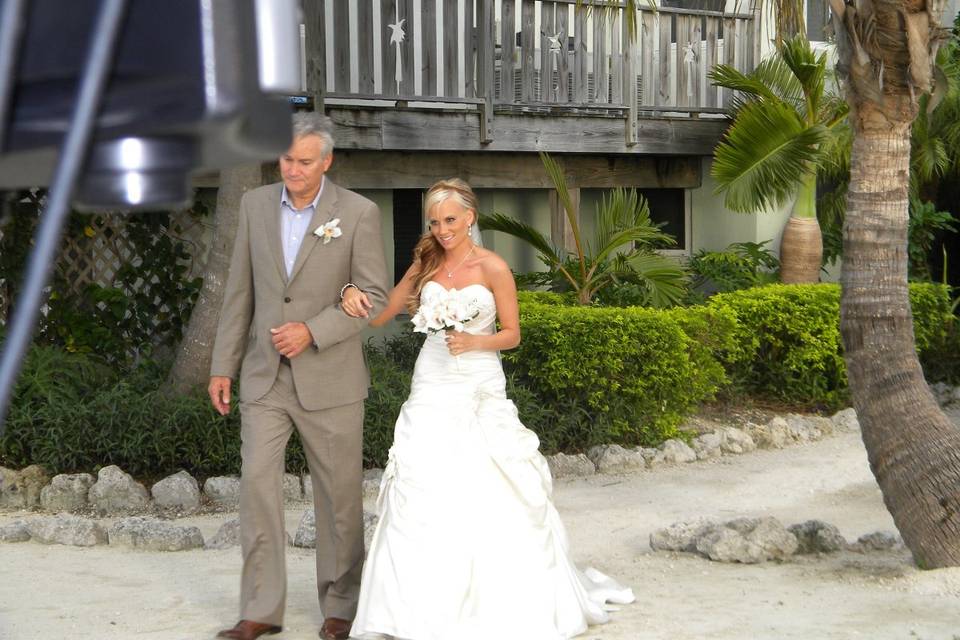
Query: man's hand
291	339
219	390
355	303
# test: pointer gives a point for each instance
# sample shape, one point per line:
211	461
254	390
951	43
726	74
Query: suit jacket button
286	299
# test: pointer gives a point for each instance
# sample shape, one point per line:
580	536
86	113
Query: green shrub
633	370
789	344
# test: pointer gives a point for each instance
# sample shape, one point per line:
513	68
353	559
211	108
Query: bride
468	545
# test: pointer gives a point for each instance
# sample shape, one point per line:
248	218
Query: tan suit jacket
259	296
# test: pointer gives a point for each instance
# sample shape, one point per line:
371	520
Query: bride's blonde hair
428	253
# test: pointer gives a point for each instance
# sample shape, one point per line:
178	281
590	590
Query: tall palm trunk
914	449
195	353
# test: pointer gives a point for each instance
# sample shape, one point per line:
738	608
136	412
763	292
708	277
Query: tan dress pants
333	443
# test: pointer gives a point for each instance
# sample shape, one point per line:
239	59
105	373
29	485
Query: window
668	207
407	228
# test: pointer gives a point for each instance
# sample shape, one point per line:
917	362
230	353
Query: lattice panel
95	255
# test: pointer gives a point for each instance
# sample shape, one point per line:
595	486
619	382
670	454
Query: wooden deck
521	75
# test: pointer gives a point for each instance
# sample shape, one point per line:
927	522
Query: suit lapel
271	224
322	214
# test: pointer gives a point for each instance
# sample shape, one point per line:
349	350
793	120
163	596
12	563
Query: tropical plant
934	160
925	224
739	266
887	50
621	250
786	121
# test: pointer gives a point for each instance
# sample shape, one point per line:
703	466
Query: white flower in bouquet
446	313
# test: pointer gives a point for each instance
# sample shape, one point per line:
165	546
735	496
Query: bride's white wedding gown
469	545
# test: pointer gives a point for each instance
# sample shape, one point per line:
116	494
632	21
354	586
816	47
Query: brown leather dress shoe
335	629
249	630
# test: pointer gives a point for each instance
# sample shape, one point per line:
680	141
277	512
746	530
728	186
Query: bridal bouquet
446	313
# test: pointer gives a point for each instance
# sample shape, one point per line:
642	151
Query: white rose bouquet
447	313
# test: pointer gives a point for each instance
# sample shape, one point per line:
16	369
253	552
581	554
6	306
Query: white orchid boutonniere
328	231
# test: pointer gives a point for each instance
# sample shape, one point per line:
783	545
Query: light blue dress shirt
295	225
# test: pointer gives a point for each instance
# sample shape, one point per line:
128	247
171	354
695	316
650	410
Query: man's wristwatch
347	286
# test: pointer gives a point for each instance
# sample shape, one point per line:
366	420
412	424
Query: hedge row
581	376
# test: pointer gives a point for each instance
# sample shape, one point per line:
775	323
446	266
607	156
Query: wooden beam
404	130
561	232
315	51
418	170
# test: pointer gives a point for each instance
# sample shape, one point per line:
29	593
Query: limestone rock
369	526
150	534
563	465
803	429
846	420
816	536
307	488
228	535
179	493
306	536
66	492
707	446
292	489
735	440
16	531
773	435
21	489
67	529
613	458
681	536
371	482
675	452
747	540
223	491
877	541
117	492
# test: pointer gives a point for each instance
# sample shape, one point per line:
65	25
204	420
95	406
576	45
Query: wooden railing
523	54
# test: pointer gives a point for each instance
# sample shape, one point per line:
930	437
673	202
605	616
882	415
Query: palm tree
620	250
785	121
886	53
191	367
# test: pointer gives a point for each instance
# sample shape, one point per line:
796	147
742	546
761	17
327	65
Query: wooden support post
561	233
485	67
315	51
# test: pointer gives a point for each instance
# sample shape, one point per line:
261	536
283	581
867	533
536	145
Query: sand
56	592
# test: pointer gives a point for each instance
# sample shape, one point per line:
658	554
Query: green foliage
790	344
633	370
785	120
924	226
146	306
621	251
739	266
582	375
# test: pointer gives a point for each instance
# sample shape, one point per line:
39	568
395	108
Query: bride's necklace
459	264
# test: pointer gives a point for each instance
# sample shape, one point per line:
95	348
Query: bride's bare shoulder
490	262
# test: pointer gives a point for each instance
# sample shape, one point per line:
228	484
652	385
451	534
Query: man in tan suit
300	362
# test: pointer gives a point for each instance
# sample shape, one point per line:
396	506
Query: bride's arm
355	302
500	280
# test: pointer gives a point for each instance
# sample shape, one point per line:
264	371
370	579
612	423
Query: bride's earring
470	230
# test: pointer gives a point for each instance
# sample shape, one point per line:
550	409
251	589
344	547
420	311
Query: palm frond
523	231
664	279
810	70
761	158
559	180
730	78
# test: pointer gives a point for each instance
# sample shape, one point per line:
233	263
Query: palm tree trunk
801	246
913	448
192	365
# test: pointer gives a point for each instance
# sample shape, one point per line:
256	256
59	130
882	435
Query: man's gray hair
312	123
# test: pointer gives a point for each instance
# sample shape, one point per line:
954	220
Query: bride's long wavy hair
429	253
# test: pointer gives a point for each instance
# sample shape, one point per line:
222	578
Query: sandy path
53	592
